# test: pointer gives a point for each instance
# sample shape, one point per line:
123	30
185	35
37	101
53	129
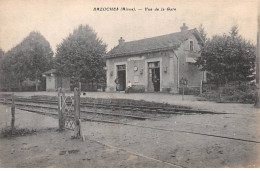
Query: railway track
112	106
107	104
25	107
91	113
92	109
83	112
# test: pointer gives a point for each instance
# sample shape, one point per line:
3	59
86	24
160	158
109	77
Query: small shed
54	81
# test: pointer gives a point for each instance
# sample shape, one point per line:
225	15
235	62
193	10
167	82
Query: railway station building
157	63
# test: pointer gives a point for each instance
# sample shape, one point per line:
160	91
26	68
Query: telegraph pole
258	58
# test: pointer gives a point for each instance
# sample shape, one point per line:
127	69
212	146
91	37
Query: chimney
121	41
184	27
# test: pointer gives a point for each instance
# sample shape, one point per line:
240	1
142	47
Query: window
191	45
120	67
153	65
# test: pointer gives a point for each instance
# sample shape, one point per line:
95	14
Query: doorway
153	76
121	78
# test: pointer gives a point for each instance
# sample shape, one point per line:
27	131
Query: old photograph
129	84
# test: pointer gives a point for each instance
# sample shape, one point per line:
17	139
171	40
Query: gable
196	44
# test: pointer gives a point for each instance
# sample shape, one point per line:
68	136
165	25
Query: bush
212	95
190	90
7	132
238	92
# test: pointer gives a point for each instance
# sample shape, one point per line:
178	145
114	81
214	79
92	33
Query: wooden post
95	107
13	113
219	94
61	108
5	101
257	102
63	102
77	112
201	86
182	92
79	87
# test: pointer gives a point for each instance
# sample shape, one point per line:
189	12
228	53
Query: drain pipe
178	72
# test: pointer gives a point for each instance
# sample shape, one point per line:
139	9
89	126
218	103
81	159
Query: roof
51	71
164	42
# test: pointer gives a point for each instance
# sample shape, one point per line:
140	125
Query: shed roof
153	44
51	71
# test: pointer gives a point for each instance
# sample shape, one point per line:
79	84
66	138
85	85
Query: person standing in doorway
156	83
117	84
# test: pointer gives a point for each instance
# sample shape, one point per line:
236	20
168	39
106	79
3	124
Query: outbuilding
157	63
54	81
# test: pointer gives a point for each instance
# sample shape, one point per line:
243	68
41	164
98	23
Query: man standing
155	83
117	84
129	85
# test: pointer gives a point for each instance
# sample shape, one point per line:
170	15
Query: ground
220	140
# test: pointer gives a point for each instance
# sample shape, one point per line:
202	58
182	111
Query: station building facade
157	63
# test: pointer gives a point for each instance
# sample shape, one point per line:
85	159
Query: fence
190	90
69	112
230	85
208	86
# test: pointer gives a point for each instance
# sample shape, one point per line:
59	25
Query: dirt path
183	149
50	148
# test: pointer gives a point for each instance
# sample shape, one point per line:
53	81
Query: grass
7	132
231	94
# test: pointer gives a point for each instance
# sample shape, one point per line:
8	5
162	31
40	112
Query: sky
56	19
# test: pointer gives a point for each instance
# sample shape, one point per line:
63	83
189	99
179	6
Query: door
150	87
156	81
121	77
153	77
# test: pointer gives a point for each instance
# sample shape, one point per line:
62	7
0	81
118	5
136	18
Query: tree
234	31
1	54
257	102
38	56
202	32
8	77
79	56
27	60
228	58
